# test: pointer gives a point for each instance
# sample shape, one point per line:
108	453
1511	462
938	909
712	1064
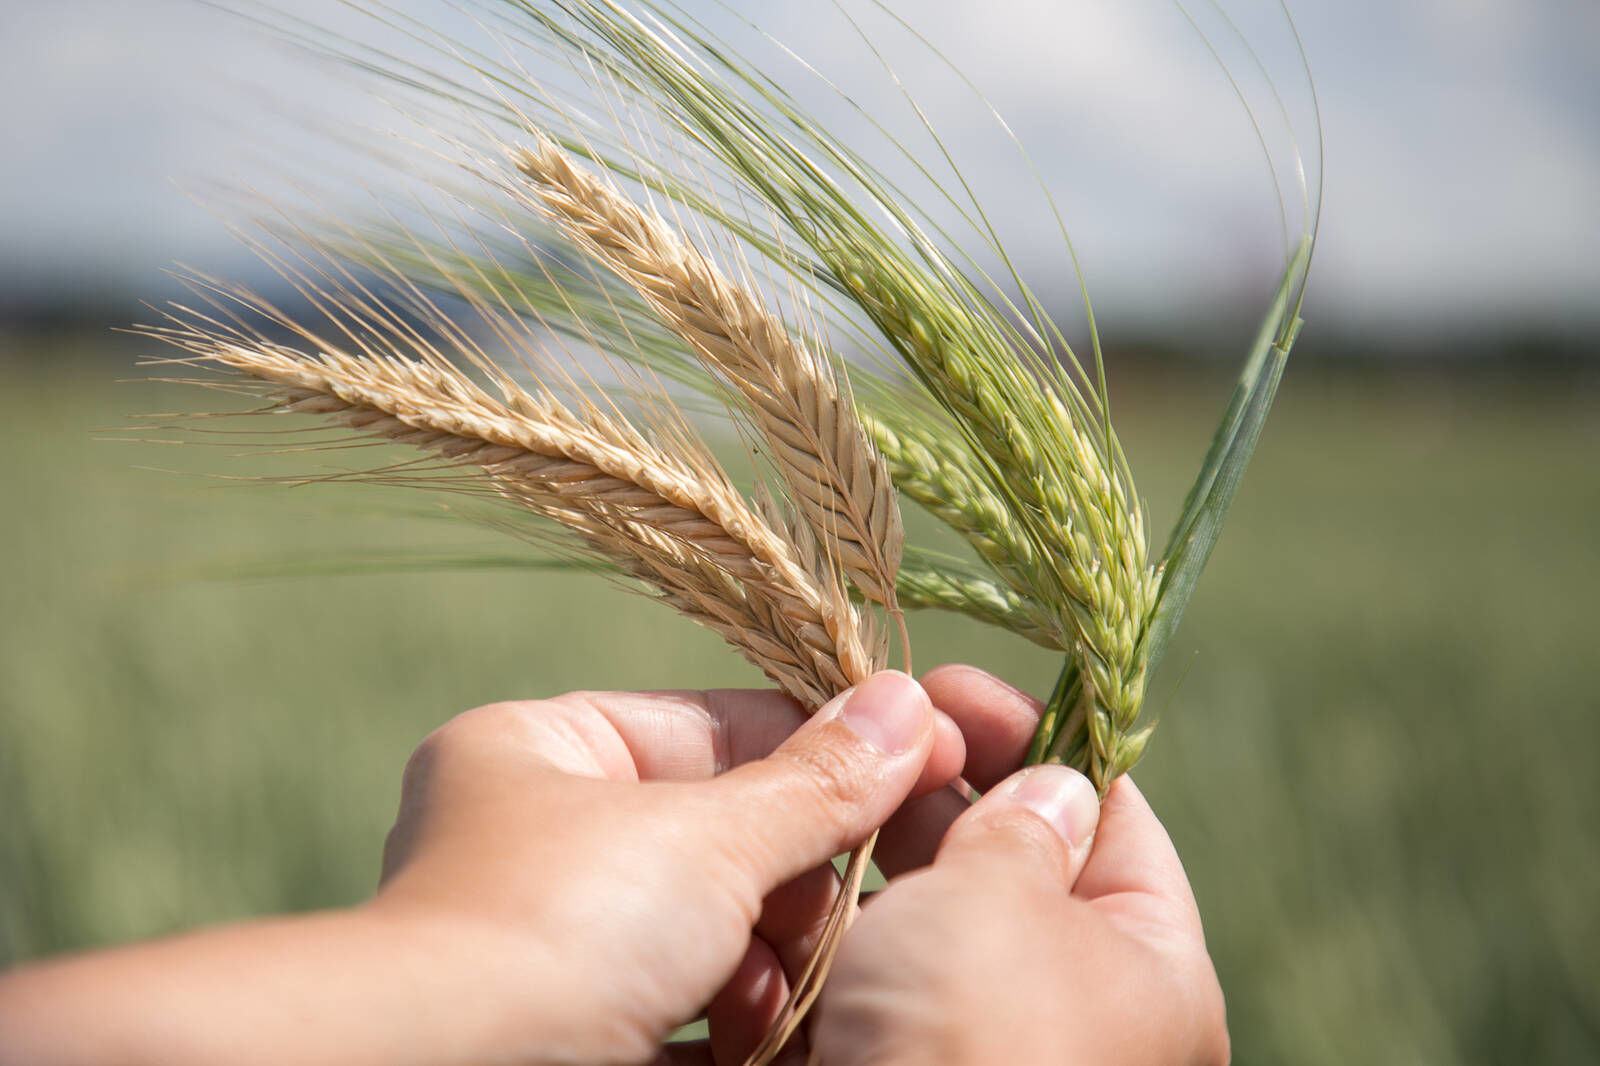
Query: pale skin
570	879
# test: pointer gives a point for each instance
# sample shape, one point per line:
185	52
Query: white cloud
1464	165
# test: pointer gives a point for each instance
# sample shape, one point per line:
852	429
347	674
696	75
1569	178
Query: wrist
475	990
461	990
368	985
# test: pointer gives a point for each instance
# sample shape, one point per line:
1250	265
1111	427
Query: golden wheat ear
834	474
672	519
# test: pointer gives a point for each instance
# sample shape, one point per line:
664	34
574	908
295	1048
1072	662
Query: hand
591	877
1022	944
567	881
541	904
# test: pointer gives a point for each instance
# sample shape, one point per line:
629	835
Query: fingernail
888	711
1061	796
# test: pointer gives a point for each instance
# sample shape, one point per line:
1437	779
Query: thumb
1037	823
839	777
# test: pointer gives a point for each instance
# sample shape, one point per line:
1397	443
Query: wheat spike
946	585
924	469
1089	564
672	520
835	477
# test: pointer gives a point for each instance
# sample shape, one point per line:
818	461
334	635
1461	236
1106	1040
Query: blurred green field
1380	764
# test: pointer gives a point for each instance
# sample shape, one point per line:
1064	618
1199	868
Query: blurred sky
1462	143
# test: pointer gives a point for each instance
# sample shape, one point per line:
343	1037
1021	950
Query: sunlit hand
1050	929
590	874
567	881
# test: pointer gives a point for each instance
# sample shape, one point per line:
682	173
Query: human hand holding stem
1005	436
773	582
569	880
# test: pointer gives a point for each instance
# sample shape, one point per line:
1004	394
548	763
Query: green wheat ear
1063	735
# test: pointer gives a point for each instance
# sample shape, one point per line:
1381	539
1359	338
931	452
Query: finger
997	720
624	736
823	790
1037	824
666	736
911	838
793	916
671	735
1133	855
741	1012
946	759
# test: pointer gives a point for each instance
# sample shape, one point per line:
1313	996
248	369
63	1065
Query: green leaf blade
1206	507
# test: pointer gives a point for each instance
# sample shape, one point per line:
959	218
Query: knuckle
468	726
568	734
578	701
425	758
467	735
